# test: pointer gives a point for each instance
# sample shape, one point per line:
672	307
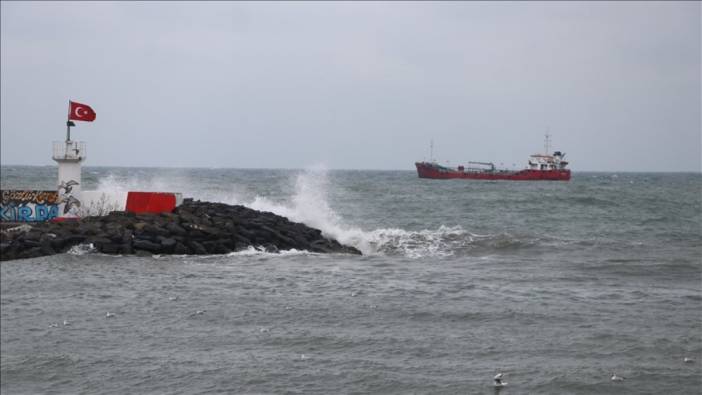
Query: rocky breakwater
194	227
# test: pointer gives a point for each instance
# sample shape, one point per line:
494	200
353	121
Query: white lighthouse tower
69	155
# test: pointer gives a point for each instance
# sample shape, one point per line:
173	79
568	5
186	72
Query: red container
151	202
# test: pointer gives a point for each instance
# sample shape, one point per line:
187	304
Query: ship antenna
431	151
547	141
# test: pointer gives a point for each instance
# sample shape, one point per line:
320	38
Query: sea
557	285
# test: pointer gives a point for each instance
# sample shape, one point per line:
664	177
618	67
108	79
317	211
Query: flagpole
68	123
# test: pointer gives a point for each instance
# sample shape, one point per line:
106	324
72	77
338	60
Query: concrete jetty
194	227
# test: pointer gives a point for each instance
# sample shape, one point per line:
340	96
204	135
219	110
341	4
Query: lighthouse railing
69	150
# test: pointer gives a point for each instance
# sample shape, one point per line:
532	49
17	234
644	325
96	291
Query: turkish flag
80	112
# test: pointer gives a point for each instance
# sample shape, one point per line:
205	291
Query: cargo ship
540	167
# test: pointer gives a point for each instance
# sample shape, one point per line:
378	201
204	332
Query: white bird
66	323
53	325
498	380
688	360
198	312
303	357
173	298
617	378
264	330
109	315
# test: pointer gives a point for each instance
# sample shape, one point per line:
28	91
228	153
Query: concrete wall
37	206
95	203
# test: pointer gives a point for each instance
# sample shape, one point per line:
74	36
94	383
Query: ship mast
431	151
547	143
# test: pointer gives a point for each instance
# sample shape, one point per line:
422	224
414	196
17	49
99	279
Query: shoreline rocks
193	228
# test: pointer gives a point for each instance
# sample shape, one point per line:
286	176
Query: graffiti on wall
28	206
65	194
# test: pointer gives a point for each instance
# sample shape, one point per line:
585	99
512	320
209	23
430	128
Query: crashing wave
308	204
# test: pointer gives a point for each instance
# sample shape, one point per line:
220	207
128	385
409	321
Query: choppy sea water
555	284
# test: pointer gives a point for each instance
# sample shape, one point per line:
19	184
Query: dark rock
31	253
47	236
155	230
127	236
197	248
197	235
58	243
142	253
246	233
72	240
110	248
175	229
181	249
126	248
242	240
216	247
9	253
141	244
169	217
89	229
34	234
300	240
99	241
146	236
195	227
168	244
237	246
270	248
229	226
31	243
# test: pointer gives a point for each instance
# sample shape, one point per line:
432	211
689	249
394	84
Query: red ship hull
429	170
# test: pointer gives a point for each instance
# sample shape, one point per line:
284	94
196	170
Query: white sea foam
261	251
82	249
136	182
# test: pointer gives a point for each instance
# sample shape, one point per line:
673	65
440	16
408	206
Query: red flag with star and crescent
80	112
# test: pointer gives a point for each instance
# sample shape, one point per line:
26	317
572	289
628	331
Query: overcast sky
354	85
